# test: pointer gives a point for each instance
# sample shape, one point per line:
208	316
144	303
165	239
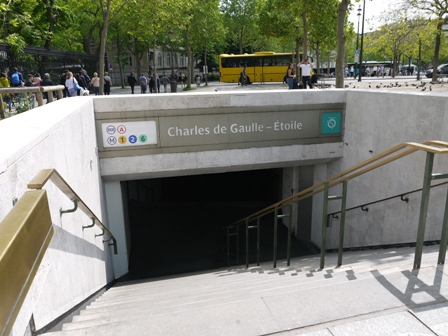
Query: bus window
281	60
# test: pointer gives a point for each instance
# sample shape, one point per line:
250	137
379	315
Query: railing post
228	247
342	222
49	94
247	243
258	241
324	226
2	108
444	237
423	209
238	245
50	97
40	100
275	235
288	252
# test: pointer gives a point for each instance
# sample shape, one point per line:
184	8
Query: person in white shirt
70	84
306	67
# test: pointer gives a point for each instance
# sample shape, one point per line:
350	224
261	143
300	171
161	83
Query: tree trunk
51	16
205	69
340	34
305	35
298	59
436	51
154	62
106	13
122	76
138	65
190	59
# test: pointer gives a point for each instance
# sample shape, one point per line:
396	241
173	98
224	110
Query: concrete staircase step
132	310
271	283
260	300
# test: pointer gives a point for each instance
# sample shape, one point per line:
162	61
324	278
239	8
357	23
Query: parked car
442	69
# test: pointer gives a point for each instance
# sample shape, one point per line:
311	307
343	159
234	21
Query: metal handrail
25	234
388	156
386	199
51	174
339	178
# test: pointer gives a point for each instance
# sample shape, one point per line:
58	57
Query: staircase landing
375	292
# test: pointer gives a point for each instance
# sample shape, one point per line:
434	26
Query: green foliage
24	103
240	18
207	28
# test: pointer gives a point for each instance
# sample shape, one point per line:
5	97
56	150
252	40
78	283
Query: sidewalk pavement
400	83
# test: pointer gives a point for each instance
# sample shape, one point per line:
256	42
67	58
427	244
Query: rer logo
331	123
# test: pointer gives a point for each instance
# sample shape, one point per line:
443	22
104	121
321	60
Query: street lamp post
357	39
362	40
357	33
173	82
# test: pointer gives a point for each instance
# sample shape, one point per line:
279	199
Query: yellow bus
261	67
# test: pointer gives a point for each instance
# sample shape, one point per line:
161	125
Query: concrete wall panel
59	135
375	122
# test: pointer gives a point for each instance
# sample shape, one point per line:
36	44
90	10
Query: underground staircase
373	289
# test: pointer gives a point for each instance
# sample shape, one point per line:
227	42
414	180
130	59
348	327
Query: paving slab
349	299
435	316
398	324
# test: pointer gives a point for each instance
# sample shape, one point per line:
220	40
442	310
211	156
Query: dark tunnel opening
176	223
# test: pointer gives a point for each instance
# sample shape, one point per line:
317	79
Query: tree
321	27
437	9
393	38
341	40
185	11
17	26
240	19
210	32
109	10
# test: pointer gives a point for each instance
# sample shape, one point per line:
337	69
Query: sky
373	10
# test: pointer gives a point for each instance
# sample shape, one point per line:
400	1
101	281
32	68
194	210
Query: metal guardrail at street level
38	90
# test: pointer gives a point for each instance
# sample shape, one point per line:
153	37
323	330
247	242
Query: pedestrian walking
47	82
165	82
107	83
132	81
143	83
95	83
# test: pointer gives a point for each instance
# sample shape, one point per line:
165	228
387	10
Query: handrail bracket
75	207
101	234
91	225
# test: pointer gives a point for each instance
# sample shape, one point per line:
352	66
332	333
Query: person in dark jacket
82	83
29	81
152	84
46	82
62	82
132	81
